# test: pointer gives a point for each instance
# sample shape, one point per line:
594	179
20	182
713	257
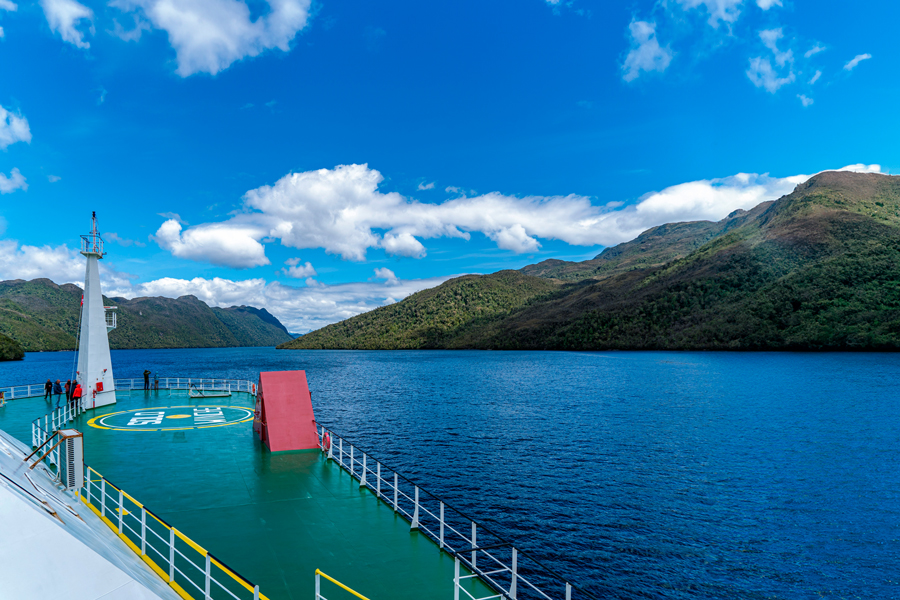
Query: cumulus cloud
767	4
15	181
232	244
298	271
299	308
726	11
209	35
388	275
13	128
856	60
804	100
646	54
342	211
65	17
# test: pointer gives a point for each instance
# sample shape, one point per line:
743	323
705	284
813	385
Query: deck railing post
442	526
414	524
378	479
143	531
256	592
171	554
87	481
395	491
456	579
318	588
568	591
351	460
474	544
102	497
341	451
362	480
121	510
512	585
330	449
208	575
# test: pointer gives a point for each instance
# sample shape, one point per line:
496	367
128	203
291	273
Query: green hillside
41	315
817	269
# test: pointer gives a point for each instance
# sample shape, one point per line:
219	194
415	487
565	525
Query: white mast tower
94	364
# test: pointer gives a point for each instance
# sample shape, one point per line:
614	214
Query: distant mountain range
818	269
40	315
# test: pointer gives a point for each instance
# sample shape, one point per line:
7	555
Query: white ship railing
36	390
187	567
510	572
42	429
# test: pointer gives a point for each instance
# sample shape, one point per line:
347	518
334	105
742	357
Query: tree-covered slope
41	316
817	269
431	318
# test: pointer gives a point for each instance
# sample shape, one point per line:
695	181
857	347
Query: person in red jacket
76	395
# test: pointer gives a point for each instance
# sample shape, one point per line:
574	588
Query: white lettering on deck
208	416
146	418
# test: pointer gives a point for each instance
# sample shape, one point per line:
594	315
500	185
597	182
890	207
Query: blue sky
324	159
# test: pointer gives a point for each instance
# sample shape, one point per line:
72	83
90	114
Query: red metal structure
284	416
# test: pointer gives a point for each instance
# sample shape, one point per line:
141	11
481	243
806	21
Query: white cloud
402	244
726	11
862	168
763	75
646	54
133	34
804	100
815	77
770	39
767	4
388	275
65	16
15	181
426	186
229	244
814	50
13	128
298	271
856	60
8	6
60	264
53	178
209	35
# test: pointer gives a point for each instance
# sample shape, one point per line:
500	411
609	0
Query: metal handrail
319	595
36	390
333	446
105	504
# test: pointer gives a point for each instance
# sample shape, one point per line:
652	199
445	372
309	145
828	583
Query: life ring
326	442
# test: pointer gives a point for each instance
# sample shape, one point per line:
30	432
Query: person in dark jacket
68	388
48	389
57	389
146	379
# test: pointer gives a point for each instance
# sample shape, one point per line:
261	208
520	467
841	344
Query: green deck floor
274	518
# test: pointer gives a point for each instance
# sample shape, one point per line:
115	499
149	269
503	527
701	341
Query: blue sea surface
635	475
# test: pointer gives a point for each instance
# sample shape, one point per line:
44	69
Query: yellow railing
319	595
155	542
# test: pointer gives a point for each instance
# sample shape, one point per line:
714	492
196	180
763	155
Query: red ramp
284	414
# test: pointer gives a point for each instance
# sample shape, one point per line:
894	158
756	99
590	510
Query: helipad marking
150	419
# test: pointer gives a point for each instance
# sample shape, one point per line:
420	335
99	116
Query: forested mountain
816	269
41	315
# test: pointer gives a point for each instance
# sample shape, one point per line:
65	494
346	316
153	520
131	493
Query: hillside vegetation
816	269
41	315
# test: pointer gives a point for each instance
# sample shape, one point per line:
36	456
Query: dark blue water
637	475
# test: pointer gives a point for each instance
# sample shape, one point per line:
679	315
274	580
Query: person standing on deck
57	389
76	394
68	388
146	379
48	389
